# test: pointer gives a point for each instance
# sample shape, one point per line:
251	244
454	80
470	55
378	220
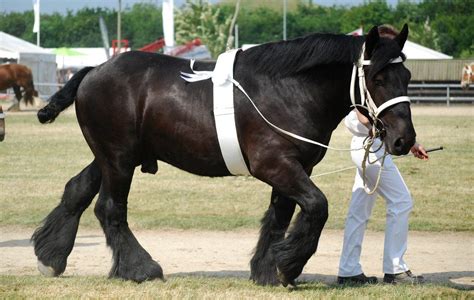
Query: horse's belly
204	164
192	150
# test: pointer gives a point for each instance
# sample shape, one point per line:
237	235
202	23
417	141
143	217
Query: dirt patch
440	257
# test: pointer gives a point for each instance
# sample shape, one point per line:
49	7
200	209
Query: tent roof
417	51
11	46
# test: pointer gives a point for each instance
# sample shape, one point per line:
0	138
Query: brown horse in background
467	76
18	76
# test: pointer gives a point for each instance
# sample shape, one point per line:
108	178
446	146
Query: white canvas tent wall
416	51
41	62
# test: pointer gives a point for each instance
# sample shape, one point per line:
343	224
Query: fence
440	92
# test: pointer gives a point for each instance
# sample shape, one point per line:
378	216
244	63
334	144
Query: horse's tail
62	98
30	92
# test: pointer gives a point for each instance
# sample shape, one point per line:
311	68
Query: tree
200	19
142	24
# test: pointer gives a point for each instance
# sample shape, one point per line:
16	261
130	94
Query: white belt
223	90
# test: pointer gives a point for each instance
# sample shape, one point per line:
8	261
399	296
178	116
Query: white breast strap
223	90
2	116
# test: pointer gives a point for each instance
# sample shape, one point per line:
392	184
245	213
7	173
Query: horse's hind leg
131	261
17	91
54	240
274	225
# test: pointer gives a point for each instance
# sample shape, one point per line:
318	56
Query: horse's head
467	76
387	83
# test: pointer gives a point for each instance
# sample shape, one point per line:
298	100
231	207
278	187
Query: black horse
135	109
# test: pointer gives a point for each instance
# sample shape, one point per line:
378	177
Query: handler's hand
419	151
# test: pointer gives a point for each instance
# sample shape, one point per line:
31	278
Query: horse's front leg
274	225
288	177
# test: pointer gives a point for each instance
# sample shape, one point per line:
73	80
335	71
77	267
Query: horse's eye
378	82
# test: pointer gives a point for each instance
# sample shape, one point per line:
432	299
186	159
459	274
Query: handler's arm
363	119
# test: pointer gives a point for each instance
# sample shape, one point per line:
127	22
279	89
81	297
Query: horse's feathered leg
131	261
289	178
263	268
54	240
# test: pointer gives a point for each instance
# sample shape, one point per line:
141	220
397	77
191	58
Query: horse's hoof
291	284
46	270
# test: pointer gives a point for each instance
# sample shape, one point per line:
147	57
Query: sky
62	6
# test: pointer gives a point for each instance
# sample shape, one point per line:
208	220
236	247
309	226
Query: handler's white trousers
398	204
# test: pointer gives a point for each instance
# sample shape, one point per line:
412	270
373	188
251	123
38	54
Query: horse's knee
317	208
100	210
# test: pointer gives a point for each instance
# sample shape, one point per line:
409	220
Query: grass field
37	160
196	287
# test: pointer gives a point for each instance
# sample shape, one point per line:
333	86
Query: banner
168	22
36	9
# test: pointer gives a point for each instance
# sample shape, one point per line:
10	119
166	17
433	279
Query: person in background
399	203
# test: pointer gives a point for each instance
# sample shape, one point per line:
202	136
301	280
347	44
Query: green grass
196	287
37	160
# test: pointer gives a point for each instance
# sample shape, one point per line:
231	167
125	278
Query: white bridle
366	99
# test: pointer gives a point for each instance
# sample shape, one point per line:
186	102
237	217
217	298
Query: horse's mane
298	55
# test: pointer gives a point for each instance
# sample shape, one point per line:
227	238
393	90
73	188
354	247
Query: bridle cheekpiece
366	99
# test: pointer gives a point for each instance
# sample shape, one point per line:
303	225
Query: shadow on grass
463	280
27	243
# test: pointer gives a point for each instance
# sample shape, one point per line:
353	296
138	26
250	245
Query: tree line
443	25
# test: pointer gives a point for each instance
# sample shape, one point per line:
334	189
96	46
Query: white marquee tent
416	51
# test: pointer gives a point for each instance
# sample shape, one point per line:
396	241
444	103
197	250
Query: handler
399	204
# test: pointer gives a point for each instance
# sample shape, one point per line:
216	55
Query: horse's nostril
399	144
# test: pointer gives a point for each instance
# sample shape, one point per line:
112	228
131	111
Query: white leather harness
223	91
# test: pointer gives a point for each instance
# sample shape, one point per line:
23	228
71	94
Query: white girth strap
224	109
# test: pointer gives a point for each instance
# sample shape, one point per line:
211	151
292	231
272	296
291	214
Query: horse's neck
331	93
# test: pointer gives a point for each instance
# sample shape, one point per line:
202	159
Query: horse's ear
371	40
402	37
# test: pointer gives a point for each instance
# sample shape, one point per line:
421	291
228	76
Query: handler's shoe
357	279
405	277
